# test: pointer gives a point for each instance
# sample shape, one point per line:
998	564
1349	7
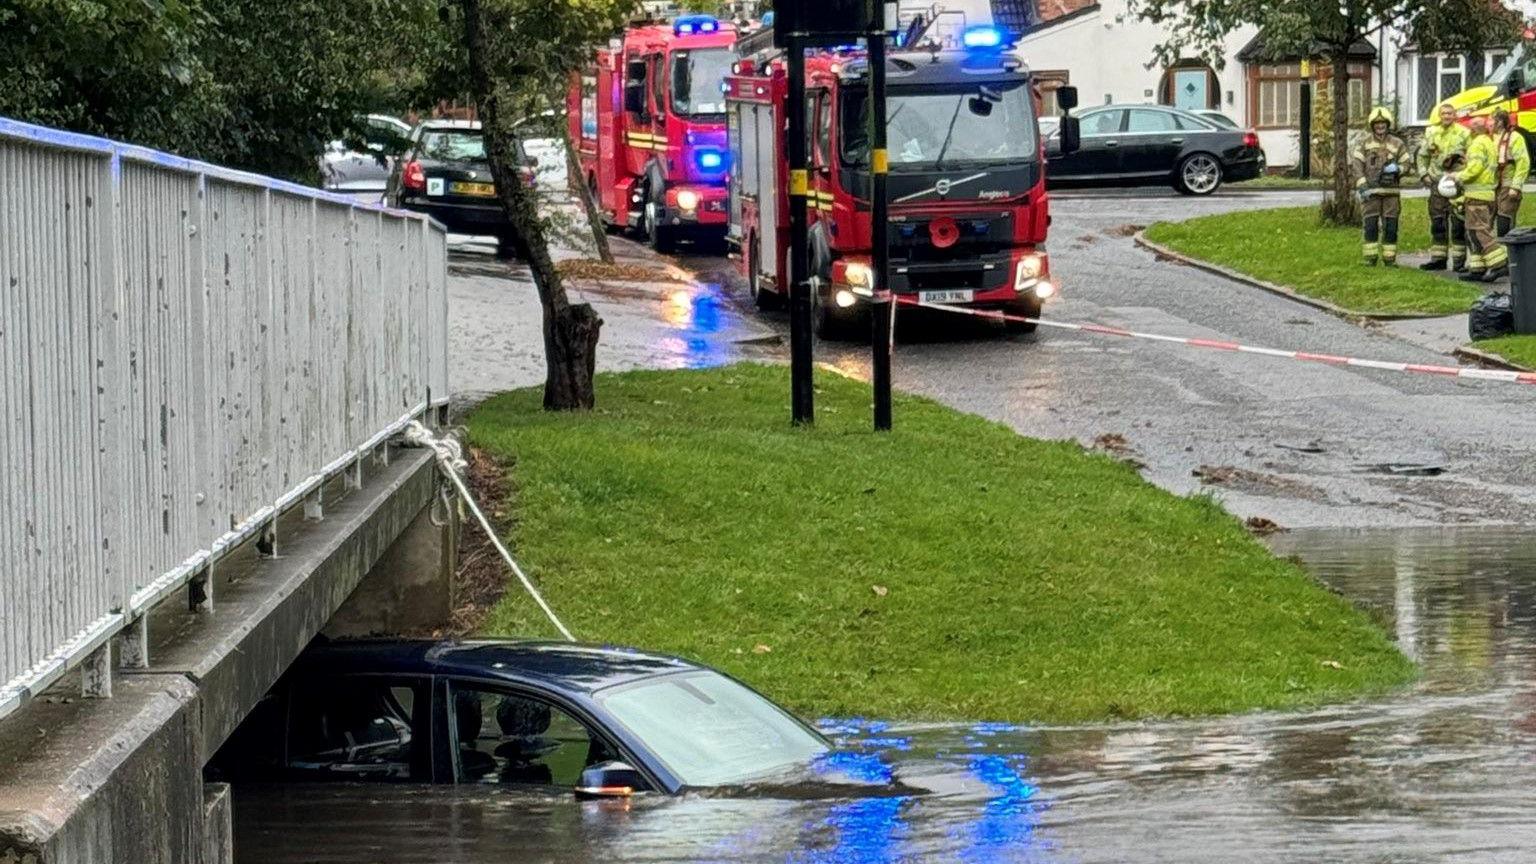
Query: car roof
446	123
562	666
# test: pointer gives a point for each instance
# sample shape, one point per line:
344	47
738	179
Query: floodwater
1441	772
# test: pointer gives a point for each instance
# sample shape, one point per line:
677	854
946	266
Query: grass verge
951	569
1277	182
1516	349
1288	247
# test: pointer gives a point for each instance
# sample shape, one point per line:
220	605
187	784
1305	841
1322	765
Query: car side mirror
1066	97
634	97
610	780
1071	135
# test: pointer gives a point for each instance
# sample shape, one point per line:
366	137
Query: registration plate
953	296
479	190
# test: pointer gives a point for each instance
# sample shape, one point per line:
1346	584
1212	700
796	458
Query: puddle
1443	771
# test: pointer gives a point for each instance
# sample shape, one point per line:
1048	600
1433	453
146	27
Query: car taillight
413	177
1251	139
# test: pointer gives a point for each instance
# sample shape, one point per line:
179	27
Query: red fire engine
649	119
968	207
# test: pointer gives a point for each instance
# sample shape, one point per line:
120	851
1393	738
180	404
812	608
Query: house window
1277	92
1279	95
1440	76
1048	81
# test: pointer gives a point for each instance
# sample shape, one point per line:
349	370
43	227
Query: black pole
882	317
1306	126
802	396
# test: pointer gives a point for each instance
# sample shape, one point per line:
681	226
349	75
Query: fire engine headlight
845	299
688	199
858	275
1044	290
1030	268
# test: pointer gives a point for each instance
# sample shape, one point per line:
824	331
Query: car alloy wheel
1201	174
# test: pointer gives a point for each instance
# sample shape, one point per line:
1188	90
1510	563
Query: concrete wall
92	781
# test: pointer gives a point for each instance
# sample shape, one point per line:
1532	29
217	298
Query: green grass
951	569
1516	349
1277	181
1287	246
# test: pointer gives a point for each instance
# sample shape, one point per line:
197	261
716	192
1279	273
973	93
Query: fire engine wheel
657	234
764	300
1198	174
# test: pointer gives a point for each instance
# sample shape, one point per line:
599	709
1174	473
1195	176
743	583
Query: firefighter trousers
1382	211
1506	210
1447	232
1484	252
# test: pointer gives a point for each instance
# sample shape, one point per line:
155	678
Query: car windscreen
453	145
977	124
710	730
696	79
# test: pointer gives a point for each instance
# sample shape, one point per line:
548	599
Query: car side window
357	728
1151	121
510	738
1103	123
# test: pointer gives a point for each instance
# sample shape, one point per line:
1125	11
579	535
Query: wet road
1443	772
1311	441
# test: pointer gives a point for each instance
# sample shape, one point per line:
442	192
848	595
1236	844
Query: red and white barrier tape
1502	375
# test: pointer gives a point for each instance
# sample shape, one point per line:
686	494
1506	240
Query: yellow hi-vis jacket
1480	178
1514	160
1440	142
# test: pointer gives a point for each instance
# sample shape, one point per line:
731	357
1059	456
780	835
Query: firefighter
1443	142
1487	260
1377	165
1514	166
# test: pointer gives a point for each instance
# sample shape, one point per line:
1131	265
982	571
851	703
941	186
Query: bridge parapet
188	351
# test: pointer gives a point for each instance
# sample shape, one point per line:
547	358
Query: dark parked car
445	175
596	721
1148	145
365	173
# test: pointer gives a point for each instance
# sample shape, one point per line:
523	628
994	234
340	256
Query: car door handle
1111	143
1176	140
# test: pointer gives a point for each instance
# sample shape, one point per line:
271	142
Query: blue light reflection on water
1002	825
700	316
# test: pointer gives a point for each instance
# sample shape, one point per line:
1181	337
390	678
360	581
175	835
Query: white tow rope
450	458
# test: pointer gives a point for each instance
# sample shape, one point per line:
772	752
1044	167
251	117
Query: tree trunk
1343	211
583	192
570	331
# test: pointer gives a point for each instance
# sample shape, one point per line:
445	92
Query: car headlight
688	199
858	275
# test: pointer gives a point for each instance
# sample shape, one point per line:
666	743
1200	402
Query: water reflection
701	318
1441	772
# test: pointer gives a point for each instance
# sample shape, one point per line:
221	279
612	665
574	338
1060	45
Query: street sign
821	23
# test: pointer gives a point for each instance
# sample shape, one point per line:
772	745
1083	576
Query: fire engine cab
968	207
649	119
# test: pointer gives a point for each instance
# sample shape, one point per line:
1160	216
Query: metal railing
185	352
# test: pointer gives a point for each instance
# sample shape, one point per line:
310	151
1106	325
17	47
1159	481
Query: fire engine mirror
1514	84
980	106
1066	97
1071	135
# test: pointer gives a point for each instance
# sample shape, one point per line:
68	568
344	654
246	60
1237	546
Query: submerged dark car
1149	145
546	716
445	175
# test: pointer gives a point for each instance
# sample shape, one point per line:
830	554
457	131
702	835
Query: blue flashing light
709	160
691	24
984	38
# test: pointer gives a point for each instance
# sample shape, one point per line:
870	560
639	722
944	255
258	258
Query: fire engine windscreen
953	127
1521	62
697	77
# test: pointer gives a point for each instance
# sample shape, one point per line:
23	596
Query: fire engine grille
941	280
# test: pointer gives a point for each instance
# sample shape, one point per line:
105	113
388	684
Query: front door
1191	89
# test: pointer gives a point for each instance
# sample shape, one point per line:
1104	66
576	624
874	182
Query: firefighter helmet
1379	114
1449	187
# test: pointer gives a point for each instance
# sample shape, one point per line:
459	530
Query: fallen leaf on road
1333	664
880	590
760	649
1263	527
